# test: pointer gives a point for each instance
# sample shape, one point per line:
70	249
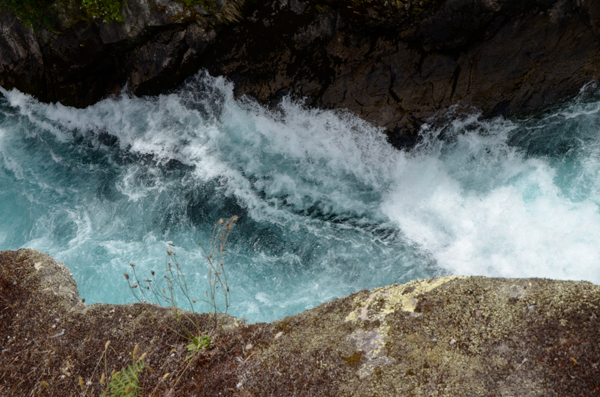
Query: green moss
108	10
48	13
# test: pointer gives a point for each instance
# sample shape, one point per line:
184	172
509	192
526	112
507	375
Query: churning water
326	206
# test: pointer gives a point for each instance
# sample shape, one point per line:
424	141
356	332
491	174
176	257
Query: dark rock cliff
397	65
155	48
393	63
453	336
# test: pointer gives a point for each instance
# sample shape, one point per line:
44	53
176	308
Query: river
327	207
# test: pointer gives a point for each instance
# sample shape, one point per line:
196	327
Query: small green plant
198	343
125	383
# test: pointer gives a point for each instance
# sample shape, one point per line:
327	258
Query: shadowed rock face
393	64
454	336
155	48
397	66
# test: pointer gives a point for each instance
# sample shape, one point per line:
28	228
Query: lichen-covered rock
452	336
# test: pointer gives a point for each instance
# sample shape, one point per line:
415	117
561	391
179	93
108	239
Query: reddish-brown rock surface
453	336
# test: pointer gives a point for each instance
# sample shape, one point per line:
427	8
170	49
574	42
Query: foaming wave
327	206
303	159
482	206
140	173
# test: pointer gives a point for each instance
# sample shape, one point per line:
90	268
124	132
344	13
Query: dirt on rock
452	336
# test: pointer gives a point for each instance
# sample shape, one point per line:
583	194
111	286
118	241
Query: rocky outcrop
154	48
453	336
393	63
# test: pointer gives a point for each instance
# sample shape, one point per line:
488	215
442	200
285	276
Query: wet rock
154	48
398	66
394	64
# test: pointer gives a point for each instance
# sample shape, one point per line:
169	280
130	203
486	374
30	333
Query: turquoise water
326	206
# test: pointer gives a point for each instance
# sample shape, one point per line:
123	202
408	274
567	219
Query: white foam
297	154
469	203
520	225
12	164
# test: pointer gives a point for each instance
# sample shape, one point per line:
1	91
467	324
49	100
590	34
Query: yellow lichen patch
380	303
404	299
362	311
394	297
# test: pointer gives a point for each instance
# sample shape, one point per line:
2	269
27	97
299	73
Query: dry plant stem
179	377
159	297
103	355
217	278
144	305
175	279
180	280
162	379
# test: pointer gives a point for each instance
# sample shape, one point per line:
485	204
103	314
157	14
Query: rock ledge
453	336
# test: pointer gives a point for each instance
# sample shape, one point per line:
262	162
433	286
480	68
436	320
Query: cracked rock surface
154	48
